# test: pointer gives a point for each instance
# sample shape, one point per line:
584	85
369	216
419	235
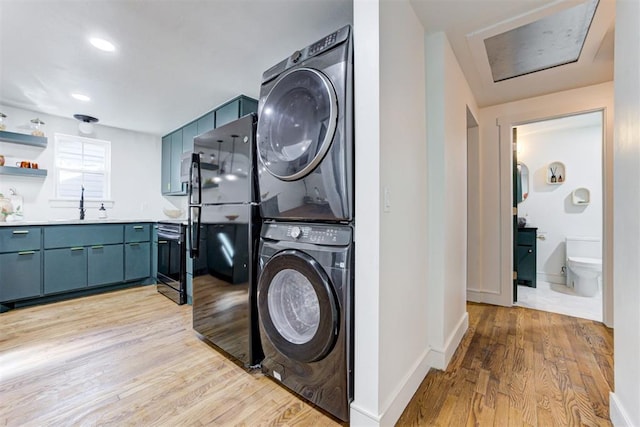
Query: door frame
505	124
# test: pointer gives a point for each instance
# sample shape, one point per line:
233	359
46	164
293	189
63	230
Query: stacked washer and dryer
305	148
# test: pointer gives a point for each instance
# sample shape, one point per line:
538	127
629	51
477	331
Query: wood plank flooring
131	358
520	367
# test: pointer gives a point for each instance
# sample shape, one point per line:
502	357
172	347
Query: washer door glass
297	306
297	123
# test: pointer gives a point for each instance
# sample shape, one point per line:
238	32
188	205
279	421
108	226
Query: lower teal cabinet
20	275
137	257
105	264
65	269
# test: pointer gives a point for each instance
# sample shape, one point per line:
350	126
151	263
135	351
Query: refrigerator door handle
195	180
194	223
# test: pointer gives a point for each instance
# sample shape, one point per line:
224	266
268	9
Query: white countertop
73	222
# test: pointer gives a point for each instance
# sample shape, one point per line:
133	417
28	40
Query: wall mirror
523	182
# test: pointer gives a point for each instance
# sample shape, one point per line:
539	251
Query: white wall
625	402
496	161
391	308
448	96
549	206
135	172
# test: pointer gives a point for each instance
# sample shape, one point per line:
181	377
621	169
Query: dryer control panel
320	234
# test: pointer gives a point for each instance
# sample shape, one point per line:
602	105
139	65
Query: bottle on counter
102	212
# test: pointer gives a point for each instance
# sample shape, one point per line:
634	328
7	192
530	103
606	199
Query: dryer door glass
297	306
297	123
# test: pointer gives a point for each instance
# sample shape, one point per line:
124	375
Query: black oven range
172	275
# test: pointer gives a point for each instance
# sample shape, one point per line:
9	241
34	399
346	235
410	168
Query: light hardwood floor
131	358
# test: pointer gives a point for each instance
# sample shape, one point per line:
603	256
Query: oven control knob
296	232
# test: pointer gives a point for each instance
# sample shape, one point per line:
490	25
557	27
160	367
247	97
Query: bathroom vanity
526	256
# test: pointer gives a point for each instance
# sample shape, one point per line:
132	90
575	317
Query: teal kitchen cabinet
105	264
175	144
79	256
234	109
137	249
189	132
206	122
20	263
65	269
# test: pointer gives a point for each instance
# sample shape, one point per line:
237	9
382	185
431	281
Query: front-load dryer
305	307
305	133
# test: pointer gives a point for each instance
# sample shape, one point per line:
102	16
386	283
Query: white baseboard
439	358
400	398
617	414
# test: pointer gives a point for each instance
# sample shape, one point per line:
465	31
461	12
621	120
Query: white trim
440	358
361	417
486	297
69	203
619	417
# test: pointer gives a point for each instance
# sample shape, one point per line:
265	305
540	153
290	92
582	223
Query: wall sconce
86	123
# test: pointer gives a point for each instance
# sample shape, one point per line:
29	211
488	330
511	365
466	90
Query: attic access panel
546	43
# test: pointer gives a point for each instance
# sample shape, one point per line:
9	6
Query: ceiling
177	59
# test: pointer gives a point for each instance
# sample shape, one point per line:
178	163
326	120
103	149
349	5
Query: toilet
584	265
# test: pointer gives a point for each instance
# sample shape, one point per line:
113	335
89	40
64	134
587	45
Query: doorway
559	192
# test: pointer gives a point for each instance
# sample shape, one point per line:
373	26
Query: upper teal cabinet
180	141
234	109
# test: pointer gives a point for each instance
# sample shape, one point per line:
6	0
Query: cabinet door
176	158
206	122
188	133
137	261
20	272
65	269
166	165
526	263
227	113
137	233
105	264
248	105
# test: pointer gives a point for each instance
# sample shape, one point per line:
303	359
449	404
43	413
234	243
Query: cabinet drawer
527	237
20	272
16	239
61	236
137	232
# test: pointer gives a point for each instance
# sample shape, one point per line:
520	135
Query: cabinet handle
162	242
26	253
77	249
97	247
530	250
20	231
138	227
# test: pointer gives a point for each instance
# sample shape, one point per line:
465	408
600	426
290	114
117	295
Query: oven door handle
194	223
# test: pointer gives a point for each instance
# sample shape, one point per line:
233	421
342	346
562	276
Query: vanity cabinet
20	261
180	141
526	256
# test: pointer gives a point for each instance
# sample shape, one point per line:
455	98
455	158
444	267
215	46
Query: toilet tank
588	247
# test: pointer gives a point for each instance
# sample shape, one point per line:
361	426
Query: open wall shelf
23	139
556	173
10	170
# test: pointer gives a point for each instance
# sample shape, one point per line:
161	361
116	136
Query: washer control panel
320	234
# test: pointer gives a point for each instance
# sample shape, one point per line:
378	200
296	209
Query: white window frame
106	197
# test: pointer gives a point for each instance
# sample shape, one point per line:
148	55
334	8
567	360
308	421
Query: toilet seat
585	262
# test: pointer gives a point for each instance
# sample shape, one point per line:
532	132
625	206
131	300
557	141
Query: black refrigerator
224	230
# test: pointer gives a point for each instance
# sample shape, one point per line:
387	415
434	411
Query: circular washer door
297	123
297	306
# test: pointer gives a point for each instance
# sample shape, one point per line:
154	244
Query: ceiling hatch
546	43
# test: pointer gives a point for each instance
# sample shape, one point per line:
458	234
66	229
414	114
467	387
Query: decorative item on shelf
1	160
16	203
37	127
172	213
556	173
86	123
3	125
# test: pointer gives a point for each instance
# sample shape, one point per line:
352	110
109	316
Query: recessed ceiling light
102	44
81	97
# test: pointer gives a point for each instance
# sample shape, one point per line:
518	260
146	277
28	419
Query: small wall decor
581	196
556	173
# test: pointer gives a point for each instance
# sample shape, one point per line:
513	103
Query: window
82	162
